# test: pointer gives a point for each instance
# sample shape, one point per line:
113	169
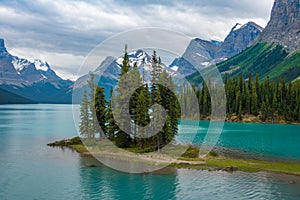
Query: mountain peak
2	46
239	38
249	25
237	26
41	65
255	25
2	43
138	56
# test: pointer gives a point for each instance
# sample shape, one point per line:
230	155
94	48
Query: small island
214	161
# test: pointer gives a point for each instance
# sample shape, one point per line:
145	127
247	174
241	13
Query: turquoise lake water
280	141
31	170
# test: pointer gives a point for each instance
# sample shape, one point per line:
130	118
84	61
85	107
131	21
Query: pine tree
136	80
142	118
254	105
171	104
158	119
94	121
123	139
84	116
274	107
100	109
111	124
239	114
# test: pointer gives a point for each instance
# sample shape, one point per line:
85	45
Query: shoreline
211	162
251	119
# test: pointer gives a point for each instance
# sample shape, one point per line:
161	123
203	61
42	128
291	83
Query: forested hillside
263	59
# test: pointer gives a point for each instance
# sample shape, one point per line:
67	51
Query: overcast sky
63	32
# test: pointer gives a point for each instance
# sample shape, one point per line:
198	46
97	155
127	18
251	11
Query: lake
32	170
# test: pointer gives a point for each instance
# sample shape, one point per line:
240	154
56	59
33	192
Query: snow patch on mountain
40	65
20	63
175	68
205	64
198	54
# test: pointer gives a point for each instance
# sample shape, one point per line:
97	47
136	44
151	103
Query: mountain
284	25
275	53
205	50
11	98
109	77
236	41
33	80
263	59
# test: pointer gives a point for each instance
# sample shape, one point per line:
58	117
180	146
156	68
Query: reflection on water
104	183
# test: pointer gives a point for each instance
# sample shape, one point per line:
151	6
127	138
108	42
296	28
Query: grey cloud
76	27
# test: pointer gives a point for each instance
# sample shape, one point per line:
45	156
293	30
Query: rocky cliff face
204	50
284	25
238	39
8	73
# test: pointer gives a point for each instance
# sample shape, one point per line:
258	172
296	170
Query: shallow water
32	170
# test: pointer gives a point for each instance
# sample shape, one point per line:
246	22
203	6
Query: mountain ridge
32	80
238	39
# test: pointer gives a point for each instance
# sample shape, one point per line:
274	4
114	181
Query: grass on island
73	143
213	161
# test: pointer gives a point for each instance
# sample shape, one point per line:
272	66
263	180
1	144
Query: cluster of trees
269	100
97	116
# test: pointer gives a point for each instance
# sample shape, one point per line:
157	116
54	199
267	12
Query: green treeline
268	100
97	117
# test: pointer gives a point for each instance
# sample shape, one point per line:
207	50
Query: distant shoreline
252	119
245	118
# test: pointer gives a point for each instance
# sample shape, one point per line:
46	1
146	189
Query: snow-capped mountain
112	66
34	80
239	38
38	71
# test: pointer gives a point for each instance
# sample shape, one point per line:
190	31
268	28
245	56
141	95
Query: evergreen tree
254	105
141	117
84	116
94	122
136	80
111	124
123	139
100	109
158	119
